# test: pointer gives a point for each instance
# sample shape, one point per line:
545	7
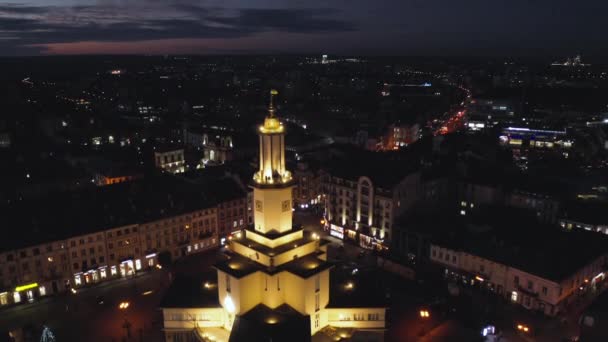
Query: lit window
77	280
103	274
42	290
113	270
138	264
514	296
16	297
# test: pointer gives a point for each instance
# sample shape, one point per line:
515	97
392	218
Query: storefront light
26	287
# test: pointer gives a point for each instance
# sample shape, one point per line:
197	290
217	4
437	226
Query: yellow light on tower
229	304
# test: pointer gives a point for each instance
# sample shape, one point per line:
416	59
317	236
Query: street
79	317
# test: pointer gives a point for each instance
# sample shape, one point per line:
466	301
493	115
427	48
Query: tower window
286	205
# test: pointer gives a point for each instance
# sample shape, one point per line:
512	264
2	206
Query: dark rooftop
265	324
514	237
67	214
385	169
362	290
587	211
191	292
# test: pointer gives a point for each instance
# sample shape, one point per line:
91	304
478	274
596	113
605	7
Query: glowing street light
424	314
523	327
123	305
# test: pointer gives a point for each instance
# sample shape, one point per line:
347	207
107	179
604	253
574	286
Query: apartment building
111	232
170	159
507	260
363	200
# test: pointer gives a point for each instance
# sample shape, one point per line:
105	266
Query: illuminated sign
26	287
336	231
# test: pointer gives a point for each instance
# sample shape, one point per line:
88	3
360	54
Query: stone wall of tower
272	209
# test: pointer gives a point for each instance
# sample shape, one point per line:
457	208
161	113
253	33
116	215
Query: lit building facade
359	210
55	267
533	290
216	143
307	190
170	160
276	278
399	135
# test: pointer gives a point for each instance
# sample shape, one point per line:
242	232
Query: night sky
372	27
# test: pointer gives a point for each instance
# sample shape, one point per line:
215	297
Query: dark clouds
412	27
22	27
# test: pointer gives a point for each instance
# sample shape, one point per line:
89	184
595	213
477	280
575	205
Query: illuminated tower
274	284
272	183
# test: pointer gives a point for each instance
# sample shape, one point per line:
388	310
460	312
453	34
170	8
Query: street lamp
424	314
126	325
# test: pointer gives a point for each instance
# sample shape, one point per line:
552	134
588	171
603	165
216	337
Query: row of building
500	251
71	240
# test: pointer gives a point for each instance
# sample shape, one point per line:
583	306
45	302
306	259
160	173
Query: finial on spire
273	92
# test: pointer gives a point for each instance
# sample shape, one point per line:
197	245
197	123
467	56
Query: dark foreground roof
367	290
594	324
190	292
263	324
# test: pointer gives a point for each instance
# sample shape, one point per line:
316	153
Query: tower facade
272	183
274	284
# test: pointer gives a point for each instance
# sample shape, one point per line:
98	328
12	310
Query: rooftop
307	238
63	215
192	292
512	237
361	290
239	266
265	324
587	211
395	167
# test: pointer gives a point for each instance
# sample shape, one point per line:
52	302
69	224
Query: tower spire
271	109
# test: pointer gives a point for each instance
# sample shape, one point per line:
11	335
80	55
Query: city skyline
342	27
